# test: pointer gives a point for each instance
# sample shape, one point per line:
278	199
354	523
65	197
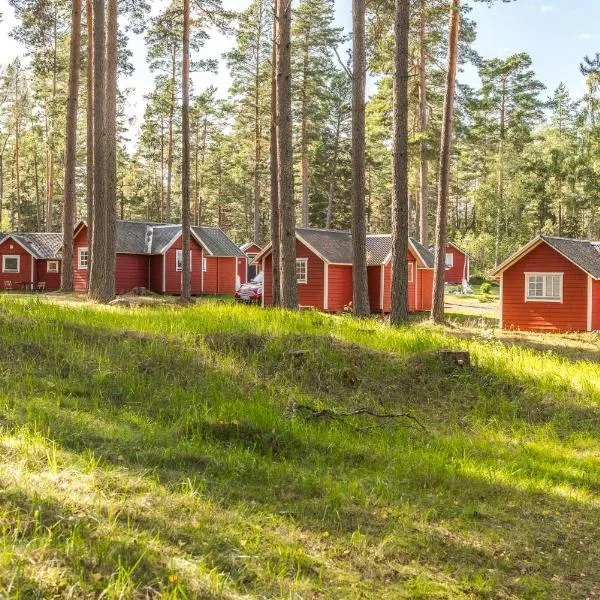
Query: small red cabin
251	250
553	285
457	265
324	271
30	261
150	255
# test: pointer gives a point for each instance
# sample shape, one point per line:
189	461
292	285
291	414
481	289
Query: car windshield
258	278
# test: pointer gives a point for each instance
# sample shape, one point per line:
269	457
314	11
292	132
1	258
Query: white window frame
411	272
302	261
80	251
544	298
18	259
204	264
52	266
451	256
179	257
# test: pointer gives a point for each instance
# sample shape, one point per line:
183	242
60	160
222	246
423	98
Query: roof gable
40	245
583	254
216	242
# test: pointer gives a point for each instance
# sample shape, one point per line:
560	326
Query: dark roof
585	254
133	237
244	247
40	245
162	236
379	247
216	242
426	254
333	245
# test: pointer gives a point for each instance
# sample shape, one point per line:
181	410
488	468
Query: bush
476	280
485	288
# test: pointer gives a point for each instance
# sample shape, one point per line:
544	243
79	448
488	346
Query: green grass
152	452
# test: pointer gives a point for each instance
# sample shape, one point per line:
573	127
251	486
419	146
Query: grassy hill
160	452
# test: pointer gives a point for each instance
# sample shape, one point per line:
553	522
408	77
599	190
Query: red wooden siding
415	299
570	315
253	249
52	280
596	305
340	287
220	274
11	248
268	280
173	276
79	275
131	272
424	289
456	274
374	280
156	273
311	293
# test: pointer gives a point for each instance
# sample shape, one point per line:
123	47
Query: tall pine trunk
333	170
441	226
90	123
275	243
99	223
170	151
423	124
360	291
304	133
17	147
70	200
257	134
399	293
186	283
289	287
111	146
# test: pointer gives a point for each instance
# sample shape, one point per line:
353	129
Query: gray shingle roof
216	242
132	237
41	245
585	254
424	253
333	245
161	236
379	247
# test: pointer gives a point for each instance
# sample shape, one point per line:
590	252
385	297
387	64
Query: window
449	260
11	264
84	257
302	270
52	266
179	260
204	264
544	287
411	274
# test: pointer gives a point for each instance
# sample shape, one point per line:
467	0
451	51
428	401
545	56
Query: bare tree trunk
304	133
111	147
399	291
289	286
17	147
162	169
257	132
90	124
199	198
186	283
359	228
50	188
275	242
70	201
332	175
441	227
500	203
96	268
424	150
36	181
170	152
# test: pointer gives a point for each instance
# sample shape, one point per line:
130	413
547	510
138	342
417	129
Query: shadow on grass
144	402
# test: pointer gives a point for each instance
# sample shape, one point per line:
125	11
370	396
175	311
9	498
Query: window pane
11	264
449	260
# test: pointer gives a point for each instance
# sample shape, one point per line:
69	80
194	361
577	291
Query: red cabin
457	265
150	255
420	274
251	250
324	271
552	284
30	261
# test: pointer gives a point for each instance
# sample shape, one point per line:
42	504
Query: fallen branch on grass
312	414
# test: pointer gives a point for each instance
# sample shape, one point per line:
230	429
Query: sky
556	33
